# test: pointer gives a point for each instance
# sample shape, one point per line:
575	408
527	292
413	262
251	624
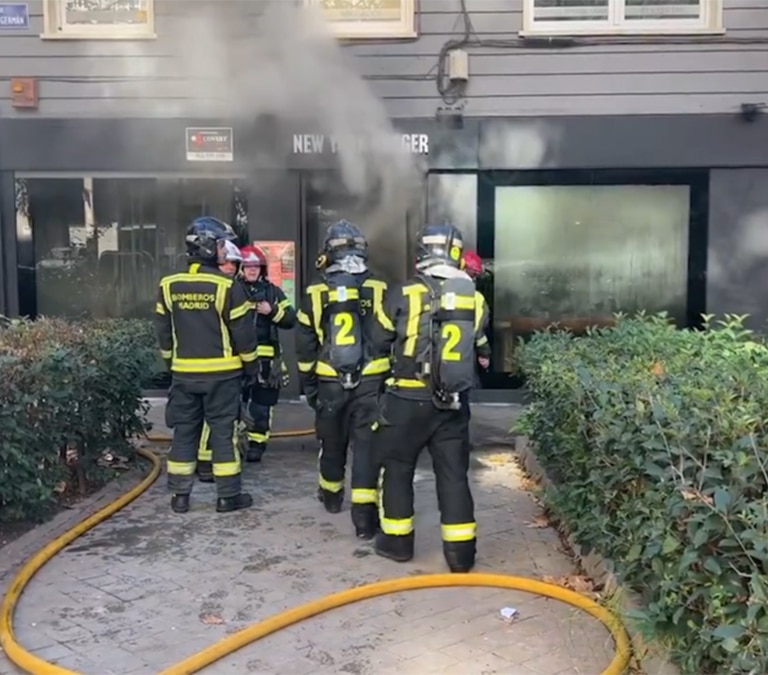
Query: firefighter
207	340
439	324
341	372
229	259
472	264
273	311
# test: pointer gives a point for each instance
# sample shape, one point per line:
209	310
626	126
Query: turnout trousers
407	426
345	417
260	400
215	404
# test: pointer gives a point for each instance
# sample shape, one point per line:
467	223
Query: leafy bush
656	440
68	392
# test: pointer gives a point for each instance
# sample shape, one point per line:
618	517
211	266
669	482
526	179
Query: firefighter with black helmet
229	260
206	337
439	322
342	372
273	311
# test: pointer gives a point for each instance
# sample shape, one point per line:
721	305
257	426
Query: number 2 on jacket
451	333
345	323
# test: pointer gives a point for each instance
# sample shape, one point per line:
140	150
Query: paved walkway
148	588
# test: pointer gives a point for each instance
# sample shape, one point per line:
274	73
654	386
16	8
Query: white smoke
277	60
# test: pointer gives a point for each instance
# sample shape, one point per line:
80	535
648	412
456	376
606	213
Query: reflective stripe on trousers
397	527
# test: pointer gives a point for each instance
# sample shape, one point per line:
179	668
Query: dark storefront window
576	249
96	247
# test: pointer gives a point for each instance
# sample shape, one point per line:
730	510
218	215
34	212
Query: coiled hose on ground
34	665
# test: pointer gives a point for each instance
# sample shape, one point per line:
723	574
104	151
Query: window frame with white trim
708	22
56	27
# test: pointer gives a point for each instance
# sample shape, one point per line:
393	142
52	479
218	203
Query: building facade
611	155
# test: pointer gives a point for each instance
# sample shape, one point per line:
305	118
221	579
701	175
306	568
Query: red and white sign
210	144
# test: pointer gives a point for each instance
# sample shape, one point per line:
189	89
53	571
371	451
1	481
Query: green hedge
656	440
66	385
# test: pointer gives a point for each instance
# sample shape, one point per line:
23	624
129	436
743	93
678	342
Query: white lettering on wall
314	144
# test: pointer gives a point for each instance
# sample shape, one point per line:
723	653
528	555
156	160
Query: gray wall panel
201	66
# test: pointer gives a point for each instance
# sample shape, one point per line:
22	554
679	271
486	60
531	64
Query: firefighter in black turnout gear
439	329
273	311
207	339
342	374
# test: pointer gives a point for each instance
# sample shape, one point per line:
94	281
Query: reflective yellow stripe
239	312
378	303
413	293
481	341
376	367
363	496
194	268
406	383
181	468
258	437
303	319
316	294
306	366
282	307
394	526
479	312
399	527
249	357
226	341
226	468
329	485
232	468
159	309
265	350
166	353
193	277
204	453
220	363
457	301
460	532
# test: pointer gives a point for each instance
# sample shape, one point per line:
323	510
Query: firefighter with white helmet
272	312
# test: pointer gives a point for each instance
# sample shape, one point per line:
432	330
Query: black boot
397	548
365	520
332	501
205	472
180	503
460	555
227	504
255	451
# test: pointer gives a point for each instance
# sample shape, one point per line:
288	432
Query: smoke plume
277	60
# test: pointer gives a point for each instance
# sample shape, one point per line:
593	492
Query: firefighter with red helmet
273	311
472	264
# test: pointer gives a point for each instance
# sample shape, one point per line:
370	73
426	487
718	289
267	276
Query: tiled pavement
148	587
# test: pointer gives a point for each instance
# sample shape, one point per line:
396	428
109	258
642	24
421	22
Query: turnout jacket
283	316
204	324
312	344
407	308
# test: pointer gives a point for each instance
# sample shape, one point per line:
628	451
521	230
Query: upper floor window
622	17
99	19
368	19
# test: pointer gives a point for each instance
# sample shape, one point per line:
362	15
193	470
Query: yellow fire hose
34	665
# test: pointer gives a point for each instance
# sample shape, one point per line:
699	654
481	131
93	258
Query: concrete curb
598	569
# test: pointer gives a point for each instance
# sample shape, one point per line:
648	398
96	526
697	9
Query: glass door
574	248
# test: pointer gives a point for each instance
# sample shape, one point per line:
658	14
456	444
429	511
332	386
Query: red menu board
281	267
